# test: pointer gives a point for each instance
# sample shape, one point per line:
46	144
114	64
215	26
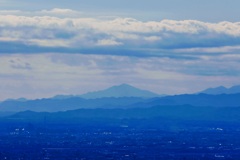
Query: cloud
108	42
60	12
11	12
50	31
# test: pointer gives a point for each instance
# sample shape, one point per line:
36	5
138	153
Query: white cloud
108	42
48	29
59	12
153	38
11	12
49	42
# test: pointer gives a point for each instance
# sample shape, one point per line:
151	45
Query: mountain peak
222	90
123	85
122	90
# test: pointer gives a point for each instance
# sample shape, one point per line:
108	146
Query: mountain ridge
63	103
222	90
180	112
53	105
122	90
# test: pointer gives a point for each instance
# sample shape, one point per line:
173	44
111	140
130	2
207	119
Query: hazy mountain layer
123	90
54	105
222	90
183	112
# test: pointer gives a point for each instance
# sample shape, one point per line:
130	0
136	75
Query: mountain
19	99
123	96
72	103
64	96
222	90
123	90
182	112
200	100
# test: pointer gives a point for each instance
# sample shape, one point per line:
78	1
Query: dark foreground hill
54	105
183	112
170	132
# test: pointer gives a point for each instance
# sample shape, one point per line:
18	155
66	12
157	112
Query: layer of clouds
65	30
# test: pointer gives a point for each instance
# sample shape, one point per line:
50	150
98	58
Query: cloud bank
67	31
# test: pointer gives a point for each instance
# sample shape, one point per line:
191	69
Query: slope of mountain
183	112
123	90
221	100
222	90
54	105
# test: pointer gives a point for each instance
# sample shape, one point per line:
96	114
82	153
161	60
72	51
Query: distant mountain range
123	90
72	103
123	96
122	103
222	90
55	105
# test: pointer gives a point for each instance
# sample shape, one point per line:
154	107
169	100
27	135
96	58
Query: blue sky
72	47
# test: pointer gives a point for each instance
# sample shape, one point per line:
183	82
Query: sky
73	47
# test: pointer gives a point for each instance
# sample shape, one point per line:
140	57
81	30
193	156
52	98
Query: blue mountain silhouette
222	90
123	90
